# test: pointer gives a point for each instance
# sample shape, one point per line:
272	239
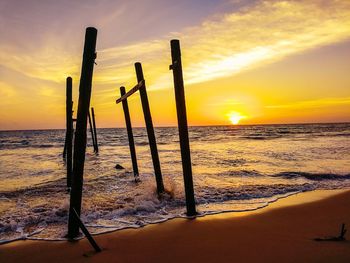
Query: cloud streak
311	104
223	45
230	43
243	37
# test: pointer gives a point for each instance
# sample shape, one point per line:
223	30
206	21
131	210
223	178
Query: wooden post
183	128
94	125
69	131
64	155
92	132
80	133
150	129
86	232
130	135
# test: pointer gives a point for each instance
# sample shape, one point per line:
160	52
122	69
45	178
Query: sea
235	169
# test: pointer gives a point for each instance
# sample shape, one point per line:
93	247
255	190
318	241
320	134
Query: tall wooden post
91	132
80	133
130	134
183	128
69	130
150	129
94	125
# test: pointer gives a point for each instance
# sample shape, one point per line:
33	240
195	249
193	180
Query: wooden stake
86	232
130	134
69	131
150	129
91	132
183	128
94	125
80	133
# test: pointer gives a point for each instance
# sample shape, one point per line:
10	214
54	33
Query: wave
313	176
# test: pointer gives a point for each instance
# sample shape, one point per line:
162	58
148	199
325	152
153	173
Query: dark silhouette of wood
64	155
89	56
341	236
150	129
342	232
91	132
130	92
183	128
69	131
86	232
130	134
119	167
95	132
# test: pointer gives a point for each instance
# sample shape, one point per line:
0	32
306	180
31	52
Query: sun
235	117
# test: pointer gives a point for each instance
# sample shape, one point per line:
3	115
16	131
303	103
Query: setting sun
235	117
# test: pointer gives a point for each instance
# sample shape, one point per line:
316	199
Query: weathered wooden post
91	132
94	125
182	124
89	56
69	130
150	129
130	134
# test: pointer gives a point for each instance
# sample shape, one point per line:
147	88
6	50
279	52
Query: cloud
223	45
311	104
230	43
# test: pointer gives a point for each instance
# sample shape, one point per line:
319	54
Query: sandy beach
282	232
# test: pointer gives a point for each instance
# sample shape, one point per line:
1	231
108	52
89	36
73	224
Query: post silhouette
150	129
94	125
91	131
89	56
69	131
183	128
130	134
86	232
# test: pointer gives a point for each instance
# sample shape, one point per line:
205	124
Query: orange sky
269	61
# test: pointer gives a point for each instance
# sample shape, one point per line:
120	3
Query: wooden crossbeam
130	92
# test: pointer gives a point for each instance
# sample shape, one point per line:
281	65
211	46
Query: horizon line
217	125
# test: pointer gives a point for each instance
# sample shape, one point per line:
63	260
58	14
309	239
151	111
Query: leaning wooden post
80	133
69	132
130	135
183	128
91	131
94	125
150	129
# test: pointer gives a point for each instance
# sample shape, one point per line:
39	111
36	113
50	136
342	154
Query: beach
282	232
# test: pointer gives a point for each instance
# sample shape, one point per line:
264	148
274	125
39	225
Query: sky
251	62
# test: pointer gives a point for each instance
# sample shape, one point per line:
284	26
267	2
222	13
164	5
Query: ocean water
235	168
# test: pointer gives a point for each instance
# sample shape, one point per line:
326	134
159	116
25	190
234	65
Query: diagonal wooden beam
130	92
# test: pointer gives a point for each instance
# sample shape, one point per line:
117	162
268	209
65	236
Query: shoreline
317	195
179	234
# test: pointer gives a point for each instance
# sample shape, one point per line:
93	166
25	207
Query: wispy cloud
243	37
223	45
312	104
231	43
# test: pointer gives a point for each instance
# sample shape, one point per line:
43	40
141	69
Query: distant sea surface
235	168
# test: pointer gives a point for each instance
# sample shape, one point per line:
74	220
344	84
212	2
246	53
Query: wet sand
282	232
